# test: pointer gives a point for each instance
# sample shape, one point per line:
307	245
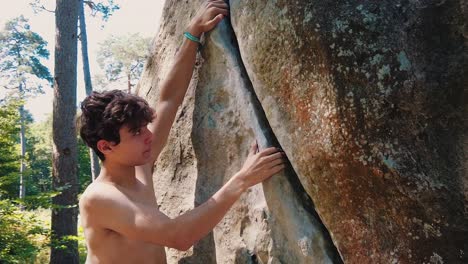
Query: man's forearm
208	16
197	223
175	86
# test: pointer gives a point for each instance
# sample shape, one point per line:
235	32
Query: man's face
134	148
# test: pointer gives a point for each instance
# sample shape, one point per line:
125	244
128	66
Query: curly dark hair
104	113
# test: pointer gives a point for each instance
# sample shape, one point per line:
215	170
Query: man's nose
149	136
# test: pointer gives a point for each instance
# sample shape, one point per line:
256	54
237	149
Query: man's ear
104	146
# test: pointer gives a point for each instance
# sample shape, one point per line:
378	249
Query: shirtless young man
119	212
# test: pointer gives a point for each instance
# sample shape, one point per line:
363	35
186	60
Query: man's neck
122	175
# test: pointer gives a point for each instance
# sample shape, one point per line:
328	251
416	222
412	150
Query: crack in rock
293	220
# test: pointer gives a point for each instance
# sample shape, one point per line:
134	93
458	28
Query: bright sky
134	16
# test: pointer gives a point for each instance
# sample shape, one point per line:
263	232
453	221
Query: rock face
367	99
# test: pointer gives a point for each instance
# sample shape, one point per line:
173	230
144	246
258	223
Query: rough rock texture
368	100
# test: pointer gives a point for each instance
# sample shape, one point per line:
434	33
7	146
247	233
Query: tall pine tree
65	159
105	9
22	72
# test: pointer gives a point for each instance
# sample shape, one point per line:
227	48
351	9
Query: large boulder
367	99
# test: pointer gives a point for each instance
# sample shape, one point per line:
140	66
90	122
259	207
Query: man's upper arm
161	126
115	211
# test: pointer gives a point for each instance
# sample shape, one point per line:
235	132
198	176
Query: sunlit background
134	16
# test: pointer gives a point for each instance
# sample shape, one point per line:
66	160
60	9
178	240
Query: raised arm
111	209
174	87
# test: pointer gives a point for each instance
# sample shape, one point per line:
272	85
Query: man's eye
137	132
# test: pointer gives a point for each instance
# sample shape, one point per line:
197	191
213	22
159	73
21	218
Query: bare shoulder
97	191
98	196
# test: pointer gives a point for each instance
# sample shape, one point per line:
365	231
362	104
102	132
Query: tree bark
65	158
22	188
95	168
129	83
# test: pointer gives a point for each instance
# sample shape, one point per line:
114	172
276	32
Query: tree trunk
129	82
65	158
95	168
22	188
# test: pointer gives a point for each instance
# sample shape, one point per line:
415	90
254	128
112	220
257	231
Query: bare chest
107	246
111	247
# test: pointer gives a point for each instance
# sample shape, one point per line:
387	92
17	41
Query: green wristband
192	37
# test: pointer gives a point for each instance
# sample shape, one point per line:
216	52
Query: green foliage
82	249
21	74
122	57
64	243
84	166
9	153
22	235
104	8
38	177
38	156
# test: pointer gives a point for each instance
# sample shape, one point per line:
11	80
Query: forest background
117	35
